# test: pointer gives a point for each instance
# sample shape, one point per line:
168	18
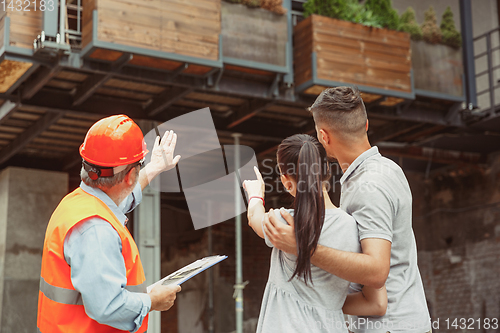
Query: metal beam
50	19
38	81
52	100
29	134
391	131
71	161
435	155
94	82
416	114
7	109
468	53
269	147
247	111
167	99
453	113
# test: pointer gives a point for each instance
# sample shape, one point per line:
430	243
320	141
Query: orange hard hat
113	141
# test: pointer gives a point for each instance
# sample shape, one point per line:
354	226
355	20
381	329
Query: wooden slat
123	94
216	98
106	55
25	116
155	63
17	123
364	61
52	148
84	116
2	31
11	129
249	70
66	136
136	86
55	142
288	110
7	136
303	47
87	15
73	122
195	105
10	72
346	29
71	76
66	129
61	84
197	70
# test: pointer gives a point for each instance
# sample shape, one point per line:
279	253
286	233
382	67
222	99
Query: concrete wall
27	200
457	226
484	18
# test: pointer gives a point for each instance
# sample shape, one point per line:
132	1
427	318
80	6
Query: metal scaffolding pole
147	235
238	287
211	273
468	53
62	21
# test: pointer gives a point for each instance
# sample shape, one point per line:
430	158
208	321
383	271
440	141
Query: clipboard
185	273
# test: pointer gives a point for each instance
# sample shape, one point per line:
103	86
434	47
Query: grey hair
103	182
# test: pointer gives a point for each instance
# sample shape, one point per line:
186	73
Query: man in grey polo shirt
376	193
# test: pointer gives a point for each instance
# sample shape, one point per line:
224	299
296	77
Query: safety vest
60	307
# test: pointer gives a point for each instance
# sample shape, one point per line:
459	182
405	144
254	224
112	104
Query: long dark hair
303	158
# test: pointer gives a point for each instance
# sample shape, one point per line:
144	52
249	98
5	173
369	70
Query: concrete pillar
27	199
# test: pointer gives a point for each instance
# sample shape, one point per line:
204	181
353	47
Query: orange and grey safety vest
60	306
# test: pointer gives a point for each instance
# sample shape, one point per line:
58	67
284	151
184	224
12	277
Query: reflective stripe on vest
38	331
60	295
70	296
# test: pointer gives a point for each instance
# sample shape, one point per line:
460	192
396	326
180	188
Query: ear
130	177
367	125
285	181
325	136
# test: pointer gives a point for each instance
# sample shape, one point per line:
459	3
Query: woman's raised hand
255	187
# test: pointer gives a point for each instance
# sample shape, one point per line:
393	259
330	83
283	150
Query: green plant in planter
330	8
408	23
358	13
451	36
430	29
386	16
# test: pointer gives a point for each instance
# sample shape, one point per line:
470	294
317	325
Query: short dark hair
342	110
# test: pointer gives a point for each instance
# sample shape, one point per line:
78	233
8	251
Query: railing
492	53
74	18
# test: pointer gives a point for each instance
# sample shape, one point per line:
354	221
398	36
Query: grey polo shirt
376	193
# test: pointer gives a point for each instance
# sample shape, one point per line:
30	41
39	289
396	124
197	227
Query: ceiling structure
44	118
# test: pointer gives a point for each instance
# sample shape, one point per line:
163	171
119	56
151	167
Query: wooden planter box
160	33
437	70
253	36
18	29
330	52
24	27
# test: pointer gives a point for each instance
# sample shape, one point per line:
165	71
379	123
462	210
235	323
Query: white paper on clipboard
187	272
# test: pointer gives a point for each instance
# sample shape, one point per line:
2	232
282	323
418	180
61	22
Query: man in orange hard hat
92	278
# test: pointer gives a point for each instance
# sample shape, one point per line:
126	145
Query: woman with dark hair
299	296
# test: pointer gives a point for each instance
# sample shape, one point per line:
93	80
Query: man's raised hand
162	155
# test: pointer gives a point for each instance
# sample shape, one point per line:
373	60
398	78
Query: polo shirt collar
357	162
99	194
